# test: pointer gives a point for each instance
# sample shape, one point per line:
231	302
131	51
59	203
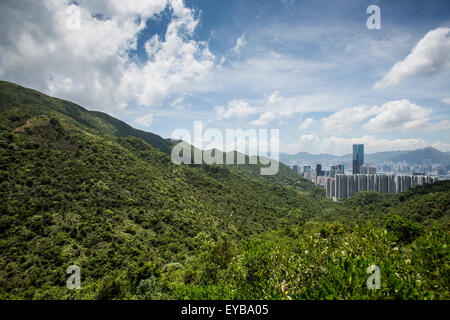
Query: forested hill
74	190
18	104
83	188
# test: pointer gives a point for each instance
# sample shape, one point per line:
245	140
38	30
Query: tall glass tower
358	158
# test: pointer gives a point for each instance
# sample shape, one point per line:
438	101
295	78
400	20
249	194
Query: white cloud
274	98
446	100
91	65
347	118
235	108
178	103
401	115
307	123
442	125
242	109
270	102
430	55
240	43
145	120
172	63
265	118
340	146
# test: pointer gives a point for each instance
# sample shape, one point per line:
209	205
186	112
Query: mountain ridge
34	104
410	156
31	102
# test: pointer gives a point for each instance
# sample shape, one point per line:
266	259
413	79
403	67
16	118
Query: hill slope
18	104
75	192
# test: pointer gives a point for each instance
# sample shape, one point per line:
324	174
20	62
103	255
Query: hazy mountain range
410	156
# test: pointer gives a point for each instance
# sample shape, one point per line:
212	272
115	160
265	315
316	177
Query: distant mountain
301	157
412	157
384	156
416	156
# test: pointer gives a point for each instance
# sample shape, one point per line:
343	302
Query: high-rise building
368	170
318	170
344	186
358	158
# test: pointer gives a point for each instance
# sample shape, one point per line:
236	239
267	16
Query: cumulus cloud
145	120
235	108
91	65
340	146
274	98
307	123
347	118
431	55
264	118
172	63
268	104
401	115
241	109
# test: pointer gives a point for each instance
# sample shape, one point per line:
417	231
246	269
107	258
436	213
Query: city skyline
345	186
340	184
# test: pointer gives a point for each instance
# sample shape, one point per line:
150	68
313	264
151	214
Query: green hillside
75	193
428	205
17	105
285	176
83	188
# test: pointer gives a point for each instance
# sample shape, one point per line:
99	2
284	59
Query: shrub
404	229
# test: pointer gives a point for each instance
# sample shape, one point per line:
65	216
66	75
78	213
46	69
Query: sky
310	68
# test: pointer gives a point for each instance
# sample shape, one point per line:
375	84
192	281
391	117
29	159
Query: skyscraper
358	158
319	170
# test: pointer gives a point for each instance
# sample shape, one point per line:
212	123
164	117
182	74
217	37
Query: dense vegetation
80	187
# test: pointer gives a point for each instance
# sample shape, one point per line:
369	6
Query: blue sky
311	69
